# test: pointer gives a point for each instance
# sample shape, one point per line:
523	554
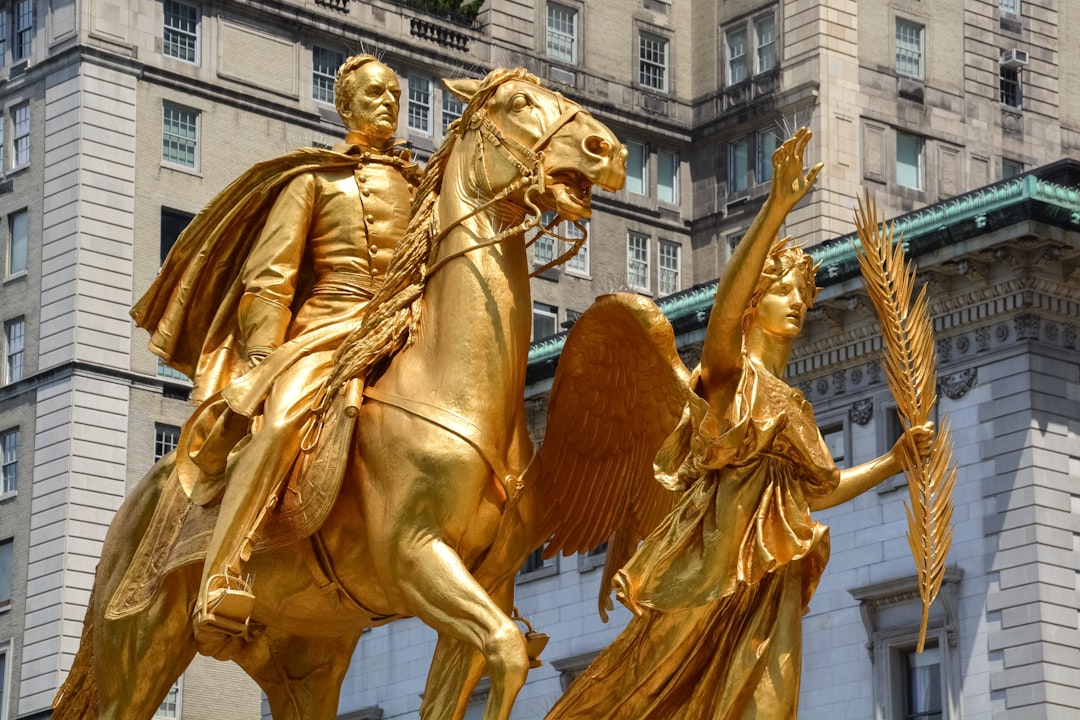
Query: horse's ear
463	88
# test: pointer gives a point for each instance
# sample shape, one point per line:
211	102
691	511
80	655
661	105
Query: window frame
732	170
650	68
644	167
177	691
673	176
5	27
166	439
14	359
645	265
535	567
181	33
451	109
731	60
920	164
322	82
1011	88
763	161
166	134
906	54
10	247
572	36
663	272
20	136
22	29
547	311
578	264
1010	7
839	424
10	440
758	44
5	678
425	110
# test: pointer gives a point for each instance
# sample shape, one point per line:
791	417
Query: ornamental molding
955	385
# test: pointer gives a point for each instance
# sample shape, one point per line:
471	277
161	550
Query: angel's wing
619	391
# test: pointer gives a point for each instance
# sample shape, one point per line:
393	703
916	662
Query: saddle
180	529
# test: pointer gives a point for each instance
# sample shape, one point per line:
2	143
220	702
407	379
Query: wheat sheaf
910	368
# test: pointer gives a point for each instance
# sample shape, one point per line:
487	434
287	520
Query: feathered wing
619	391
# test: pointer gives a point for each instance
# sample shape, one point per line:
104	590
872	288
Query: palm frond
910	370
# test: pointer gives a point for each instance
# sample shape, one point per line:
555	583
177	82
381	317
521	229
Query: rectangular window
736	49
578	263
669	275
536	566
1009	7
3	124
637	177
667	177
923	696
170	706
5	23
765	37
5	651
180	136
13	350
9	454
18	232
767	142
173	223
6	568
562	33
1010	87
1010	168
420	104
637	261
909	161
738	166
170	373
324	67
545	321
544	247
909	48
180	36
833	434
166	438
20	136
451	109
653	61
24	29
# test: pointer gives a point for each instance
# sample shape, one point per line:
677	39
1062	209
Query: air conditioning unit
1014	58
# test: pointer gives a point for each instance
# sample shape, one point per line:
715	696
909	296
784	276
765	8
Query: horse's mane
390	321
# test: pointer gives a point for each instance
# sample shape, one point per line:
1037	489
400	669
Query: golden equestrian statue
731	554
432	465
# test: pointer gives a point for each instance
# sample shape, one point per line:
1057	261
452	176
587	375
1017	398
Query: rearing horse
441	446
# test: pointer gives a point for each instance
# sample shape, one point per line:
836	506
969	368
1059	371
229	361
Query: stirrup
227	610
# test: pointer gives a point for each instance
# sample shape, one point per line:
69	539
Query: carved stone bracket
861	411
956	385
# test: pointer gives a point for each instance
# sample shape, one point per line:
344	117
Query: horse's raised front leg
456	668
441	592
301	676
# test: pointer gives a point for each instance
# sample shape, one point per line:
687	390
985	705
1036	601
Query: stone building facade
119	120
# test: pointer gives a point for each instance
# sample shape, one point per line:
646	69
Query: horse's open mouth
572	192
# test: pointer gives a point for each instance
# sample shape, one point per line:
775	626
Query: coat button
369	219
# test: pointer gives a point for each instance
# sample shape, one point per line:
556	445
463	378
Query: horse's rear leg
440	591
301	676
456	668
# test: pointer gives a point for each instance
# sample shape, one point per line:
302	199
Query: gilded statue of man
305	240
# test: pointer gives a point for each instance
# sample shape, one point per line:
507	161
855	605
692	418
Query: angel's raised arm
722	350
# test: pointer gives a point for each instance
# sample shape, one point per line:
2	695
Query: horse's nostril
596	145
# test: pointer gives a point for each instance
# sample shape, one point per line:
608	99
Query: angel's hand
789	183
923	440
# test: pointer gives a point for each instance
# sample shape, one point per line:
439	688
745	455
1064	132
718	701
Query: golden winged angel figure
718	469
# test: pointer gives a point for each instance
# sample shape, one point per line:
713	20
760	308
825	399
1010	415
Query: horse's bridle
530	176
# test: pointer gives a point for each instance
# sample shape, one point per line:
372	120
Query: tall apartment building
119	120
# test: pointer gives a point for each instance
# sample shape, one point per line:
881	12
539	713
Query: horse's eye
519	102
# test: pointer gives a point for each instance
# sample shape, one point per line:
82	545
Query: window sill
9	495
194	171
21	275
549	571
578	274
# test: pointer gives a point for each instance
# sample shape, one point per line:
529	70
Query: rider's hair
344	82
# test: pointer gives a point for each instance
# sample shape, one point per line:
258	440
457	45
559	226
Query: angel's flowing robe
722	584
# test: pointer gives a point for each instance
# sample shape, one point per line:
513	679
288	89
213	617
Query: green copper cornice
1049	194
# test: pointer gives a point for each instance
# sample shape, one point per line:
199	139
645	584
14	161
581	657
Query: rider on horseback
320	239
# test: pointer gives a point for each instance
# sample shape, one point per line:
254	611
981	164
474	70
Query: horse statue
438	456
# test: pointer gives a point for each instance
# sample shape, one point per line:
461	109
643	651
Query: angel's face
782	309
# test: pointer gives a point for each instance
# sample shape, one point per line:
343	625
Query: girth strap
457	425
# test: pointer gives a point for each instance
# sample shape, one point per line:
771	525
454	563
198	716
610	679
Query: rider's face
373	108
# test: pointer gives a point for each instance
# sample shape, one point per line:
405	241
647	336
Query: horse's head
532	132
